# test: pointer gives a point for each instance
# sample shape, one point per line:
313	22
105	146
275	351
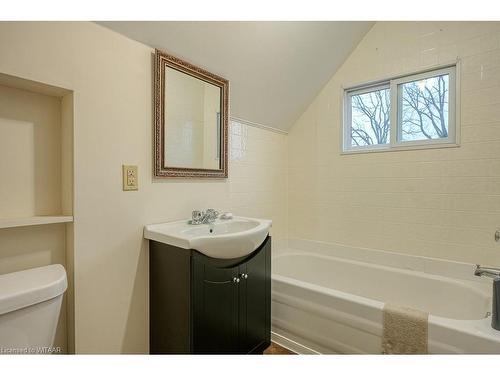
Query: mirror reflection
192	121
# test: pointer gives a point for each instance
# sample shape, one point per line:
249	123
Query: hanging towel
404	330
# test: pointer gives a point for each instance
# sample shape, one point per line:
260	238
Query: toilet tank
30	303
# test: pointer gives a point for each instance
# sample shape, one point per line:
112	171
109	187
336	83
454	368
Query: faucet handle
212	212
226	216
196	216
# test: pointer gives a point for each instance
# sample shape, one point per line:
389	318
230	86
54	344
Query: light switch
130	177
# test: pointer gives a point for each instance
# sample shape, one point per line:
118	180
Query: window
411	111
370	117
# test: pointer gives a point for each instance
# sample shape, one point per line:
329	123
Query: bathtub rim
471	285
428	265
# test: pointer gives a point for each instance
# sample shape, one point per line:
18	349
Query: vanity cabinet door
255	301
215	308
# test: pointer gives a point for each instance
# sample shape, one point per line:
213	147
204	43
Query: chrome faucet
495	308
486	271
204	217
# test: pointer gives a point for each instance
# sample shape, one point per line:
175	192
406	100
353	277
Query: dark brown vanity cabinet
209	306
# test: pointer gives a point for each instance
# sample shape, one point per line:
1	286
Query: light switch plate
130	177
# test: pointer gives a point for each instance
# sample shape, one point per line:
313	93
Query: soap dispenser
495	311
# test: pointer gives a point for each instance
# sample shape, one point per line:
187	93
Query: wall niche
36	193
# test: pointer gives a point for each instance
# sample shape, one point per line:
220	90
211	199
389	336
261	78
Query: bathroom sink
224	239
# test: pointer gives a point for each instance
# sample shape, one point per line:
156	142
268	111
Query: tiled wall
258	181
441	203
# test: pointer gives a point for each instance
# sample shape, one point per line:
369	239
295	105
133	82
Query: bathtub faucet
495	308
486	271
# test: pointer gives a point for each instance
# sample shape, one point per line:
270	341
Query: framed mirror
191	120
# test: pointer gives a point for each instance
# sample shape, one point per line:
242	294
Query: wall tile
259	175
442	203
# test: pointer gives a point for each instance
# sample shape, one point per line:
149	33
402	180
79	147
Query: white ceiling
275	69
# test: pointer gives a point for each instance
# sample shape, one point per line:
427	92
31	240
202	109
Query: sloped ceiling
275	69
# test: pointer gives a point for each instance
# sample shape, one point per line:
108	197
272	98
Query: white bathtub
328	298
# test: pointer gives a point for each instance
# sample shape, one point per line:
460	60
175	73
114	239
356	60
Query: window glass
370	118
423	109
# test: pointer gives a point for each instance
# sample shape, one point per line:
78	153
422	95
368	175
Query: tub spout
486	271
495	318
495	308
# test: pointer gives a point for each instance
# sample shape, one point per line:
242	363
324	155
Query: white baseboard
291	345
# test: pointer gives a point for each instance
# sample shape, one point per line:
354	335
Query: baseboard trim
291	345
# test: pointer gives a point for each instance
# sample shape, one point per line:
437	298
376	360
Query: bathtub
329	298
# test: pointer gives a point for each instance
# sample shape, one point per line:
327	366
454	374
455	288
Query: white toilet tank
30	302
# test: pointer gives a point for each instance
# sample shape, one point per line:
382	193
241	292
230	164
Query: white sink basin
224	239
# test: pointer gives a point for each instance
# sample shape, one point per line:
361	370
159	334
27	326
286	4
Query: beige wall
111	79
30	139
441	203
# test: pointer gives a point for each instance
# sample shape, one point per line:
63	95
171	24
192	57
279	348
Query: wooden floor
276	349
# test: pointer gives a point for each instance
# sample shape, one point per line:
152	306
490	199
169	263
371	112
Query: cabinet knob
244	276
236	280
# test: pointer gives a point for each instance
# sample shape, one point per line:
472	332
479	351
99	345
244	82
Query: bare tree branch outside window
425	109
370	118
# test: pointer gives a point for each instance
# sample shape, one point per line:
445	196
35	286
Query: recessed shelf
36	137
33	220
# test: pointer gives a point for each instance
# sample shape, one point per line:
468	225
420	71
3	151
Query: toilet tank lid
25	288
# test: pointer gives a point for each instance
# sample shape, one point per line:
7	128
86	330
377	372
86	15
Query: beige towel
404	330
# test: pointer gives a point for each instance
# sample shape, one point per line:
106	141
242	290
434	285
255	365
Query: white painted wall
111	78
441	203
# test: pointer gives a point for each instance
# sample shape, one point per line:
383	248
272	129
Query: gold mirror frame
163	60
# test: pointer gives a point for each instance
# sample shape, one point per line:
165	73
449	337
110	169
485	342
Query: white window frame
395	143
